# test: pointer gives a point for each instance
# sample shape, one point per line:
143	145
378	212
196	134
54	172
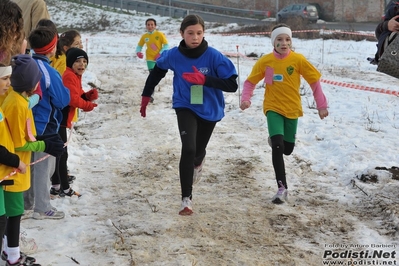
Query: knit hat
25	73
74	54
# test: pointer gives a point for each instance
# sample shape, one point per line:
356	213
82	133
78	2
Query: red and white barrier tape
360	87
38	160
301	31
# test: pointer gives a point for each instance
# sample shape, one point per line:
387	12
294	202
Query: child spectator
9	162
47	116
76	62
59	62
155	41
67	40
24	79
201	74
281	70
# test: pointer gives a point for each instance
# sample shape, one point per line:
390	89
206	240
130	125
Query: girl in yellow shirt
281	71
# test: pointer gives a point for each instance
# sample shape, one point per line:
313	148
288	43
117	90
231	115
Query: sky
126	166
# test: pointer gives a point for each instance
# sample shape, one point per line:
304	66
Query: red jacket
74	83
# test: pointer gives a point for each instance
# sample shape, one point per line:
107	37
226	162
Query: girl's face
5	83
77	42
282	44
79	66
193	35
150	26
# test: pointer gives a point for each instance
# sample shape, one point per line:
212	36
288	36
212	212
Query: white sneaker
51	214
27	245
186	207
281	195
197	176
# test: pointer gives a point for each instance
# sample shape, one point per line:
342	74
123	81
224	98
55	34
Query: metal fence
139	6
176	8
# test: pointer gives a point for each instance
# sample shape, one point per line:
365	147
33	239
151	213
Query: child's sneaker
70	193
281	195
54	193
22	261
71	178
197	176
186	207
51	214
28	259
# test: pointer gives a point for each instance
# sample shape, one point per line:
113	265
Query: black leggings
3	224
60	175
194	134
13	230
280	147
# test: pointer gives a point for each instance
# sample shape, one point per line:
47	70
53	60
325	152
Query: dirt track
234	222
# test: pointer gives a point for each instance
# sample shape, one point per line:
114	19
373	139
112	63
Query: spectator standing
32	12
24	79
47	116
9	161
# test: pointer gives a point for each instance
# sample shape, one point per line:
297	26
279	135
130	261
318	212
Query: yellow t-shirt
21	124
5	141
3	97
154	42
283	95
59	64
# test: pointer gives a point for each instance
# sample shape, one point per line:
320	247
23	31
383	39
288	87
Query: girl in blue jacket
201	74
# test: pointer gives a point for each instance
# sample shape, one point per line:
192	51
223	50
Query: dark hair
191	20
40	37
66	39
11	30
280	25
151	19
48	24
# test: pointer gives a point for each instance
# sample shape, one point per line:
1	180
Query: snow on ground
127	166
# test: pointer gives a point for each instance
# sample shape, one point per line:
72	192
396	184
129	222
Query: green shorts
14	203
280	125
150	64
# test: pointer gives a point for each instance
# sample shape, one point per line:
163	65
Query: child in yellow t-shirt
281	72
9	162
155	41
19	118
